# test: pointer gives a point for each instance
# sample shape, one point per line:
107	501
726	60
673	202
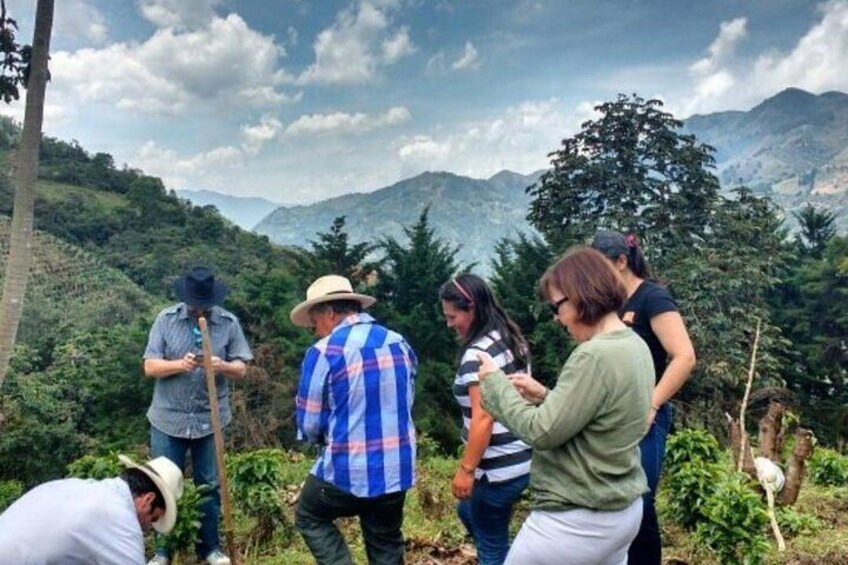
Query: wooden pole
744	439
223	483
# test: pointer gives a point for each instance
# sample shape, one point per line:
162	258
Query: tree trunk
771	432
25	173
797	466
736	445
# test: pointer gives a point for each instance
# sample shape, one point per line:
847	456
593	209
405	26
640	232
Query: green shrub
829	468
793	523
689	445
95	467
10	491
184	536
688	489
256	478
735	521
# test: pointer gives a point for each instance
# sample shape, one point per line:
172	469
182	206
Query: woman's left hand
463	484
487	365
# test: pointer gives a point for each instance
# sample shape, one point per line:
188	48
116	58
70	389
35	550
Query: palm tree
24	175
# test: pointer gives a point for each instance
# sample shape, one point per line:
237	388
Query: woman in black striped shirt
495	466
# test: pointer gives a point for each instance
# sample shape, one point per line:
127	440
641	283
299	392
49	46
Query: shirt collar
353	320
214	316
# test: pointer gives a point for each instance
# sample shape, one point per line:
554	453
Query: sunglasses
554	306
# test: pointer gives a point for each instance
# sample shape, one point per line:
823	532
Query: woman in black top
652	313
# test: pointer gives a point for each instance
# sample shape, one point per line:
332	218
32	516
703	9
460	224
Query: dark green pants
321	503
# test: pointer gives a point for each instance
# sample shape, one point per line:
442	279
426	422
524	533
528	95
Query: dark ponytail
614	244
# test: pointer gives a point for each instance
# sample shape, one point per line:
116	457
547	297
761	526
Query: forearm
479	434
163	368
235	370
675	376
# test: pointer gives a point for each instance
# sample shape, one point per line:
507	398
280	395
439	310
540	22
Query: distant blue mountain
244	212
472	213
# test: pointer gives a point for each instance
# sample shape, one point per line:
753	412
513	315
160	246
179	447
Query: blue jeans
486	516
205	473
646	549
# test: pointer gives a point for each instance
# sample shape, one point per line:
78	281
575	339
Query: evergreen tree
817	228
333	253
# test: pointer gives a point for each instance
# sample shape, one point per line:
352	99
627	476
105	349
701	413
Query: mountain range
792	146
475	213
243	212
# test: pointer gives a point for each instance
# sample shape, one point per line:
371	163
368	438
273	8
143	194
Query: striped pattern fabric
355	399
506	457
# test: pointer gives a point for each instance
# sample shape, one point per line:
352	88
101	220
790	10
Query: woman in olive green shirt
586	478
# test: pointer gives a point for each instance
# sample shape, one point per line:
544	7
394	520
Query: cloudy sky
299	100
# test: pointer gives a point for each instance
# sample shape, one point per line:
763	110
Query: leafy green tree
518	266
817	228
407	289
630	170
333	253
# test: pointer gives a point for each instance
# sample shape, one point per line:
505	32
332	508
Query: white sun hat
326	289
168	478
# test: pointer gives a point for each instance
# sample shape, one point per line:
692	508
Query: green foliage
735	521
818	227
10	491
689	488
828	468
690	445
518	266
333	253
632	170
255	480
793	523
95	467
184	536
14	60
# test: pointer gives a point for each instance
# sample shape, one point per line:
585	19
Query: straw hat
326	289
168	478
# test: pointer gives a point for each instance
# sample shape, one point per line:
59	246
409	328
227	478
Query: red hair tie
630	239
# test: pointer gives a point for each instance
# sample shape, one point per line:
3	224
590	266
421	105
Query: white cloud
723	81
75	20
356	46
256	136
190	14
520	138
174	68
436	64
397	47
469	59
344	123
184	172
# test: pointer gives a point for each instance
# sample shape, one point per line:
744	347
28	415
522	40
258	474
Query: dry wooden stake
744	439
212	390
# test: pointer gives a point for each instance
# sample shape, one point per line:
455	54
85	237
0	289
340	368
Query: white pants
576	537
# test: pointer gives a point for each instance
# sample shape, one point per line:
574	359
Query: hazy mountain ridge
245	212
475	213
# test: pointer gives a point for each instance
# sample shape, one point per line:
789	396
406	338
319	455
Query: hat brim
165	524
219	292
300	313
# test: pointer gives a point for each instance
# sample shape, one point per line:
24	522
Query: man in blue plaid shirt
355	400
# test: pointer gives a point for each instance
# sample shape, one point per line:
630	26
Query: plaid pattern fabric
355	399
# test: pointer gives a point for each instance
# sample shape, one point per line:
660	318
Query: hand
217	363
463	484
652	415
529	388
188	362
487	365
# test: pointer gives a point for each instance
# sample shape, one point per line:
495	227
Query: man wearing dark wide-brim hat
180	415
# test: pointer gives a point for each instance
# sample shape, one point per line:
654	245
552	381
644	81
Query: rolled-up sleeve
237	348
156	340
312	412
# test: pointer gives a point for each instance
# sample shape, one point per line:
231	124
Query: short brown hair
589	282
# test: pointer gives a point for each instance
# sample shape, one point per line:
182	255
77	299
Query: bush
735	521
829	468
690	445
184	536
10	491
96	467
255	480
793	523
688	490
